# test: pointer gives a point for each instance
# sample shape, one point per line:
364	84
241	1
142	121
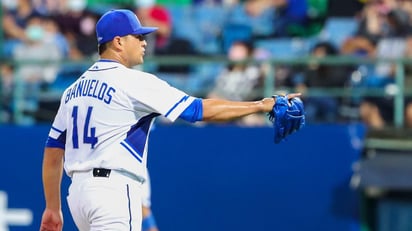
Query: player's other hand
52	220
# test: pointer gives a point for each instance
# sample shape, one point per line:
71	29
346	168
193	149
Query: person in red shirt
158	16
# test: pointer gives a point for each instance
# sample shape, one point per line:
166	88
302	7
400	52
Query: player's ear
117	41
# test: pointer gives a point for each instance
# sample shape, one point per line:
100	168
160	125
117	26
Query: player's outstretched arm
215	110
52	218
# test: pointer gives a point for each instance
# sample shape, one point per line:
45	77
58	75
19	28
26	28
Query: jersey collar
108	61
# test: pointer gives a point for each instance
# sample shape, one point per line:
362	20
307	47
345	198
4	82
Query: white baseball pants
105	203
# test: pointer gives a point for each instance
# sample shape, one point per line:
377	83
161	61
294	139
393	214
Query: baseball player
101	130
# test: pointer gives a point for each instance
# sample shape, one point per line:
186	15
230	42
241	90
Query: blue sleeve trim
194	112
54	143
184	98
60	131
148	222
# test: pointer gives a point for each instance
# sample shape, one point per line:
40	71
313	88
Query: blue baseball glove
287	116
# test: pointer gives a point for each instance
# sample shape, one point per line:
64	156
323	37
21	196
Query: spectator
38	47
152	14
6	90
258	15
48	7
34	75
289	14
371	29
349	8
78	26
14	24
378	20
377	112
86	36
408	113
240	80
53	35
315	75
162	43
408	84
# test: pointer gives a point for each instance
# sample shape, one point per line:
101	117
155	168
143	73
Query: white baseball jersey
105	117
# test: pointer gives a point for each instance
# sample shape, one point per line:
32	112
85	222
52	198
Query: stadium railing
270	86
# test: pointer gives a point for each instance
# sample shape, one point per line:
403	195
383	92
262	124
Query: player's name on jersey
90	88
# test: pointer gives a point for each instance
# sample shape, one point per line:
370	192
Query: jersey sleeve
160	96
57	133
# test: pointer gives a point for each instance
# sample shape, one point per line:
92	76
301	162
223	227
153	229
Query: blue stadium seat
337	29
200	25
67	74
285	47
235	32
184	27
210	21
197	82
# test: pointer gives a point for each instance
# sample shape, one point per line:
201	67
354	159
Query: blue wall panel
218	177
21	163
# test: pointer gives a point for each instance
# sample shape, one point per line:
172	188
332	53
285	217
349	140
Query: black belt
104	172
101	172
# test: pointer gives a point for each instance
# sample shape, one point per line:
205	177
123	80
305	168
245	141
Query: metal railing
270	83
270	86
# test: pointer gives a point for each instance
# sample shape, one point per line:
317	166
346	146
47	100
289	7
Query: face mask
76	5
144	3
87	26
237	53
35	32
9	4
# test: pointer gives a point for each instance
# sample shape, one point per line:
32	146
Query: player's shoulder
143	76
141	73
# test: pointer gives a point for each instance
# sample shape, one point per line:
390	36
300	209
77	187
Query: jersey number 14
92	139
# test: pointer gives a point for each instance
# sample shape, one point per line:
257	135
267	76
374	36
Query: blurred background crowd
46	44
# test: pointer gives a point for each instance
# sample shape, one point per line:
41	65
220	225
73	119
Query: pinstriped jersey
105	116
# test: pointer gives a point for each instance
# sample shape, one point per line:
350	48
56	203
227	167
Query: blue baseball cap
119	22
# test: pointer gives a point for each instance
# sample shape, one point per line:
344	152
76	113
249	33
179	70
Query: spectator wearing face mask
37	63
14	21
77	24
86	38
315	76
53	35
241	79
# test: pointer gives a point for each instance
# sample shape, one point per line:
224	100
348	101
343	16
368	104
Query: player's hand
52	220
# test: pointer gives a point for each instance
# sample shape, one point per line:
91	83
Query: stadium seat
235	32
67	74
184	27
337	29
285	47
210	21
